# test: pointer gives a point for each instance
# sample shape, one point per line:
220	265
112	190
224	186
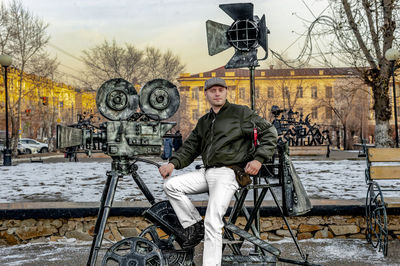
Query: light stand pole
6	61
392	55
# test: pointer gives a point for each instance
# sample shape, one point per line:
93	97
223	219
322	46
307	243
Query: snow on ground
327	252
84	181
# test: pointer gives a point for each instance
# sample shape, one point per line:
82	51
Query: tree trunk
383	112
344	137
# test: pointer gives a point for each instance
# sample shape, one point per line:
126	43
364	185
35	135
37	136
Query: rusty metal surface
117	99
216	37
253	239
298	132
159	97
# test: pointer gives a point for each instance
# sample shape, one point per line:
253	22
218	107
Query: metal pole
395	107
256	178
252	88
7	151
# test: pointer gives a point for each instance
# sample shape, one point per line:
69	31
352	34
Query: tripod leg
104	210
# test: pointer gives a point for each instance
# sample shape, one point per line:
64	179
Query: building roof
220	72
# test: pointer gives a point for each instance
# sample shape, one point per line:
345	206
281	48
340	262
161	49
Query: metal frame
375	211
262	248
263	251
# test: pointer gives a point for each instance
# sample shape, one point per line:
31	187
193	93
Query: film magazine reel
117	100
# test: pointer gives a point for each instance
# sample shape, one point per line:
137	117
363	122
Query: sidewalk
336	252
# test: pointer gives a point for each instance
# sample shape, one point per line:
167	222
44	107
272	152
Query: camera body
130	132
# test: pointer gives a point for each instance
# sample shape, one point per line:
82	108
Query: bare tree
25	36
109	60
161	65
357	33
346	103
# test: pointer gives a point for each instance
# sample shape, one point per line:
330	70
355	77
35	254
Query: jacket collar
225	106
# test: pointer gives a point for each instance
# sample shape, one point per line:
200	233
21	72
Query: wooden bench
322	150
377	170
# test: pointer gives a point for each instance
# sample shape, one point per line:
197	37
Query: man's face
216	96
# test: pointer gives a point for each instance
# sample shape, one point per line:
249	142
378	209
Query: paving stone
274	237
26	233
63	229
129	232
28	223
9	239
115	232
315	220
325	233
12	223
344	229
264	236
393	227
303	228
57	223
285	233
301	236
78	235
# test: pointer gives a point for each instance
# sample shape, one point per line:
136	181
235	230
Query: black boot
194	234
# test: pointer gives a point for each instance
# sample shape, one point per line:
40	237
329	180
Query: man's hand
166	170
252	167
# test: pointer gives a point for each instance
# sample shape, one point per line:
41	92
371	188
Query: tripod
119	169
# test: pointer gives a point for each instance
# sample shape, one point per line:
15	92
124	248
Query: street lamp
5	61
392	55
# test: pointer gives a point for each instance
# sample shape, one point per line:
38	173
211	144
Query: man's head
215	90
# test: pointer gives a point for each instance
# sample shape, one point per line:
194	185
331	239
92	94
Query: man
224	138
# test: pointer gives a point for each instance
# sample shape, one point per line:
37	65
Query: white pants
221	185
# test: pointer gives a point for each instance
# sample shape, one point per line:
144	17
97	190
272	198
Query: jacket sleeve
188	152
267	135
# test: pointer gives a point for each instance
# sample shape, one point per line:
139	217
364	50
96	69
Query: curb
56	210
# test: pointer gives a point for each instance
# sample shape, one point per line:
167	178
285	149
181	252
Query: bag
294	196
242	177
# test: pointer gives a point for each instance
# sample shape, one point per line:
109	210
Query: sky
178	25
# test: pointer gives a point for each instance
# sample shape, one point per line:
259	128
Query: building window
328	112
285	92
257	92
299	92
270	92
195	93
314	92
328	92
195	114
241	93
314	112
184	88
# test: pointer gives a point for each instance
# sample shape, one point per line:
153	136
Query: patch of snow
84	181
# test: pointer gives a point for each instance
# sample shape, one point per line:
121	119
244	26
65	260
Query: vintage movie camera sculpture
131	133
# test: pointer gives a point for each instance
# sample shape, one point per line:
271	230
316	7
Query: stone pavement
323	252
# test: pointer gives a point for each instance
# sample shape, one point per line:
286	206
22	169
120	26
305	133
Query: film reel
159	97
117	99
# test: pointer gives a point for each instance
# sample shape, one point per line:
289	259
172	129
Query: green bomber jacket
226	138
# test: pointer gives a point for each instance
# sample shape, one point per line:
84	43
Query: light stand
392	55
6	61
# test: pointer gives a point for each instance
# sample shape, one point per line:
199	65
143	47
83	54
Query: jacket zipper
212	137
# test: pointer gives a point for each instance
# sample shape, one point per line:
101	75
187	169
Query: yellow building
313	91
44	103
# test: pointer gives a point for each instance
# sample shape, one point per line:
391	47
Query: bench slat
392	202
384	154
384	172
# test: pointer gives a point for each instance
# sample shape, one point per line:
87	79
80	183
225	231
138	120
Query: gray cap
214	82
